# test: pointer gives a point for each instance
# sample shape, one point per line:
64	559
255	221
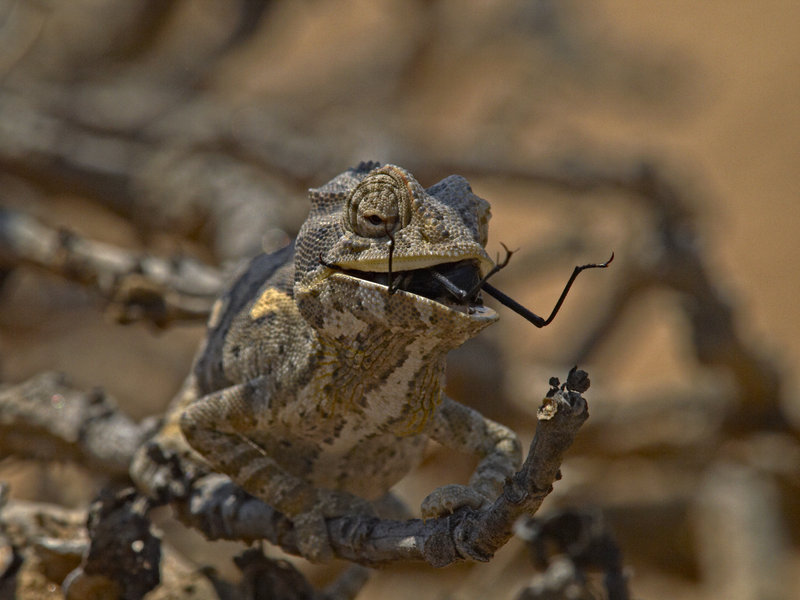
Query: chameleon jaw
426	282
443	312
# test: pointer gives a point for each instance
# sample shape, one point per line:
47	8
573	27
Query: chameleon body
318	384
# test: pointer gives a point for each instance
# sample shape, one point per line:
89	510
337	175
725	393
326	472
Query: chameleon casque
322	374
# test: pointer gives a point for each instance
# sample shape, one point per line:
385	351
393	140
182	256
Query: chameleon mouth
430	282
457	285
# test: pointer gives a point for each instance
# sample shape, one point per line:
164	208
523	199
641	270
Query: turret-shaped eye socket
380	204
375	224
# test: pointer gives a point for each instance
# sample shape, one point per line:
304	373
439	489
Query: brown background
708	91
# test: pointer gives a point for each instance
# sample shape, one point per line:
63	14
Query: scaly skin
316	390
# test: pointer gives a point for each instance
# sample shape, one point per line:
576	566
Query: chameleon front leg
217	426
462	428
151	469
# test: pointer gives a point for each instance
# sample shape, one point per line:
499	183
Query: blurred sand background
707	91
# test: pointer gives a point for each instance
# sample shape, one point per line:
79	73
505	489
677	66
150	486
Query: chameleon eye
380	204
376	225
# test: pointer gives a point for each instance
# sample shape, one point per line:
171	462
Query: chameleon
321	377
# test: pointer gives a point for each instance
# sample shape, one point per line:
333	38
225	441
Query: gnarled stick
136	285
222	511
88	429
47	419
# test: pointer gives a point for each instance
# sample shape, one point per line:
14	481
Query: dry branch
566	544
46	419
66	424
135	285
221	510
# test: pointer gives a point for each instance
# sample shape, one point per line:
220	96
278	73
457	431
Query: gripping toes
312	536
313	539
448	498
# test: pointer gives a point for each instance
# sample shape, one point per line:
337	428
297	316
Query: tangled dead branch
67	426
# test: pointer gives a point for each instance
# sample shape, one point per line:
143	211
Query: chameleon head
372	216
